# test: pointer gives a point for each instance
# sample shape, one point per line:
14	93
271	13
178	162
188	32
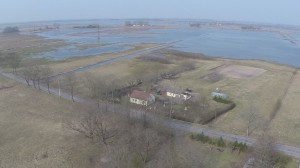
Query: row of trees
132	143
36	75
11	59
10	30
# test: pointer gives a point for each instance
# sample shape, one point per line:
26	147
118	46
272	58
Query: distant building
142	98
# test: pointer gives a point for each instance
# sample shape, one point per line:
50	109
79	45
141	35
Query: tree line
10	30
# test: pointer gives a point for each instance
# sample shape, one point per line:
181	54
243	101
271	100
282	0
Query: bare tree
71	83
102	88
131	144
38	75
13	60
26	74
2	58
35	75
144	142
253	121
46	73
265	155
100	126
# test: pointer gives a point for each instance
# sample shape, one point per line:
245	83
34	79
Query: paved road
175	124
113	60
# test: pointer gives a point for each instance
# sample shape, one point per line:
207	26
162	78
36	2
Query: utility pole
98	32
171	107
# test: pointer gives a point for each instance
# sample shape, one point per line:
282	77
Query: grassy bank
33	132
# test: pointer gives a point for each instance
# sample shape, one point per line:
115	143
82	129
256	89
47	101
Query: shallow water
212	42
72	51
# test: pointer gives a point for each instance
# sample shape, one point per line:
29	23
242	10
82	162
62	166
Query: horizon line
90	19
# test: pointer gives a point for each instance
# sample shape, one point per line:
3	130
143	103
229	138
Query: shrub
221	100
243	147
283	160
240	146
221	142
192	136
137	162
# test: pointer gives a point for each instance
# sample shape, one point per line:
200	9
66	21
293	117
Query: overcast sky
265	11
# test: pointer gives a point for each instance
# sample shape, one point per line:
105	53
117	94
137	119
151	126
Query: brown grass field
260	90
248	83
242	72
286	125
33	132
28	44
70	64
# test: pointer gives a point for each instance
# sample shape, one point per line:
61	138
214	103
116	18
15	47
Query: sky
260	11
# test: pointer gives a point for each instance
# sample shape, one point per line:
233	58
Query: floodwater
235	44
73	51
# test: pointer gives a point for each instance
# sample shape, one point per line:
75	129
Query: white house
184	96
174	95
141	98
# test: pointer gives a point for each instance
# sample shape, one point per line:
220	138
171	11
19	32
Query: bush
206	139
221	100
221	142
243	147
240	146
283	160
192	136
137	162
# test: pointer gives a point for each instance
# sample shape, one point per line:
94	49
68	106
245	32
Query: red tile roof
141	95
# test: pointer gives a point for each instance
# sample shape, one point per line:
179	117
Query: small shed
219	95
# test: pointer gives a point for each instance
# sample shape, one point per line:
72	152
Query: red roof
141	95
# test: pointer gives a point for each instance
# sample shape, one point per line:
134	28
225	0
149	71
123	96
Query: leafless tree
13	60
265	155
253	121
35	75
71	83
31	75
144	142
46	73
26	74
99	126
103	88
38	72
129	143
